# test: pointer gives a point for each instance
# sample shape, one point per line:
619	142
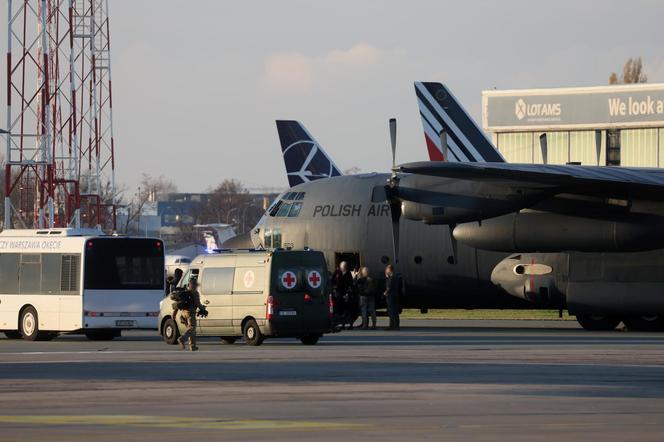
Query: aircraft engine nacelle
440	215
530	231
533	277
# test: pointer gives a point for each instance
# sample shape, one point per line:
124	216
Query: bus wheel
598	322
171	332
13	334
228	340
29	325
252	334
310	340
102	335
645	323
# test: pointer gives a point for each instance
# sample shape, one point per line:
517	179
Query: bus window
30	274
71	268
124	264
9	272
51	273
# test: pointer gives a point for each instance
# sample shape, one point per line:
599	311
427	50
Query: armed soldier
189	303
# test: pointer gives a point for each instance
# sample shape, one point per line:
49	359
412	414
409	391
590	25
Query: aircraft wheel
229	340
651	323
598	322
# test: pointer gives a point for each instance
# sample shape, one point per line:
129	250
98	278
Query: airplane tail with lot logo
304	157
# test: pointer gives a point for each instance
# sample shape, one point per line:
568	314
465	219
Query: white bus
78	281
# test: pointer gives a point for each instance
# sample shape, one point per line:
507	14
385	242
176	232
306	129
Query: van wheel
645	323
252	334
103	335
171	332
13	334
229	340
598	322
310	340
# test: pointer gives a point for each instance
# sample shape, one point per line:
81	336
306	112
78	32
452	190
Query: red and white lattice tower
92	86
59	146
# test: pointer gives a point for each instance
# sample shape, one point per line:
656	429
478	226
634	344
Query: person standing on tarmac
344	294
188	315
366	287
391	294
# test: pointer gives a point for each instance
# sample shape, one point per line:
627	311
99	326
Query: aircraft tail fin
440	110
304	157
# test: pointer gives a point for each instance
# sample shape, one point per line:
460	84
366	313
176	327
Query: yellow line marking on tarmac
191	423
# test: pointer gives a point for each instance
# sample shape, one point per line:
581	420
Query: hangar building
618	125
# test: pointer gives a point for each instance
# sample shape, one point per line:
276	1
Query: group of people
355	294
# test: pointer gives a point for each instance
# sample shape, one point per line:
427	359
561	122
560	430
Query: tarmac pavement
435	379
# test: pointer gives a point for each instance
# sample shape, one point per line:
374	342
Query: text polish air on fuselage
338	216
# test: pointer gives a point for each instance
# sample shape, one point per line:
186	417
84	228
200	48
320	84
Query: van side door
249	295
216	288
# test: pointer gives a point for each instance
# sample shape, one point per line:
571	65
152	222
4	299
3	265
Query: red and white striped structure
59	167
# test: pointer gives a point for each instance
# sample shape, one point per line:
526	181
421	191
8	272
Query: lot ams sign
574	108
539	111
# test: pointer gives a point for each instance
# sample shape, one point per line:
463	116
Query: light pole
244	215
228	215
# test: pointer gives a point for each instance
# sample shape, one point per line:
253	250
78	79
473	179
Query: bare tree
157	188
226	201
633	72
151	189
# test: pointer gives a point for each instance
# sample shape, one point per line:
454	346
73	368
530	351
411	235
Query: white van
257	294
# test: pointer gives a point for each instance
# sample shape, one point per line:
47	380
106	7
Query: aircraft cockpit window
284	209
295	210
271	206
274	210
293	196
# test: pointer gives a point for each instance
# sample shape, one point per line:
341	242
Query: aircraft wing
618	182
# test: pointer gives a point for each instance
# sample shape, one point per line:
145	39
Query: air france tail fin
304	158
439	111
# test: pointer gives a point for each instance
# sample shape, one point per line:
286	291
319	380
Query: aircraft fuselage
338	217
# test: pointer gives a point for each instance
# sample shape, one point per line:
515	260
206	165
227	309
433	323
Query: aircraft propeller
450	228
391	192
543	148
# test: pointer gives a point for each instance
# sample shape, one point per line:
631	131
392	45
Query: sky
197	85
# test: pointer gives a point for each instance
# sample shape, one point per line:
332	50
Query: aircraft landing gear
651	323
598	322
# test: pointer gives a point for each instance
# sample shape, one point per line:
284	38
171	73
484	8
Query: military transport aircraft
337	216
490	209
